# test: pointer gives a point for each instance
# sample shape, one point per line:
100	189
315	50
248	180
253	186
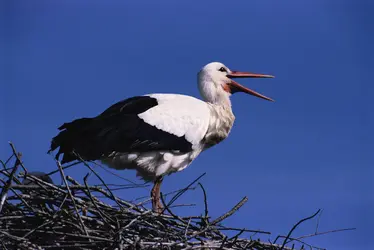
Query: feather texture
179	115
155	134
117	129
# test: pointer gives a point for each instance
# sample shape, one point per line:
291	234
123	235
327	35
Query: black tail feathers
73	139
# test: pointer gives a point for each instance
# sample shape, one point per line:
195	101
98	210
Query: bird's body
197	131
156	134
164	135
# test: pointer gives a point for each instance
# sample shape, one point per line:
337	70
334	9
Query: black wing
117	129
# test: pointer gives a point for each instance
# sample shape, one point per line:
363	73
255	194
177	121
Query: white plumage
157	134
174	115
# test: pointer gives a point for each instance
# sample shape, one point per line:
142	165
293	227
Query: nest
37	214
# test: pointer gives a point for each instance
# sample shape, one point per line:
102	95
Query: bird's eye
222	69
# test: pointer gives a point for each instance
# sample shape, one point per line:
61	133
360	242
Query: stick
4	191
231	212
295	226
71	197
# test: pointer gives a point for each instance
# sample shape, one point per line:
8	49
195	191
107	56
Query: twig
6	162
18	156
166	207
71	197
205	201
319	217
245	230
179	194
38	227
98	176
104	217
326	232
63	167
295	226
117	175
231	212
60	224
4	191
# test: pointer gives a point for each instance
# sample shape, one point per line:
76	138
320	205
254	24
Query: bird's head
216	83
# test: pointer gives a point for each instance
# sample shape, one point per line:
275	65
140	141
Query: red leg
155	195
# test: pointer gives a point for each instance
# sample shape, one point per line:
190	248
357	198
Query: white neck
220	99
214	93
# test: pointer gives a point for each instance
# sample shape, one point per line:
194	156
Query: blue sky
312	148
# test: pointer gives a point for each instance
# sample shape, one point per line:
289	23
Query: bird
157	134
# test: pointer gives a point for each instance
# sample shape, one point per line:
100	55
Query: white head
216	84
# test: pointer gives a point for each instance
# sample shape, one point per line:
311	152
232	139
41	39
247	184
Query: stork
157	134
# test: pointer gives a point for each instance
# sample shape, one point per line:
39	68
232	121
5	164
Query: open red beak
236	87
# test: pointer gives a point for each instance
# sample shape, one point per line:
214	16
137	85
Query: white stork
157	134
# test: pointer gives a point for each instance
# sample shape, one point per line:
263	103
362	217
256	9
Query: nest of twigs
37	214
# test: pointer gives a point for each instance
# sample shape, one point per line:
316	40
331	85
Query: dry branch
42	215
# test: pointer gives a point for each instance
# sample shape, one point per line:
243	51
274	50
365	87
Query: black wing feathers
117	129
131	106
